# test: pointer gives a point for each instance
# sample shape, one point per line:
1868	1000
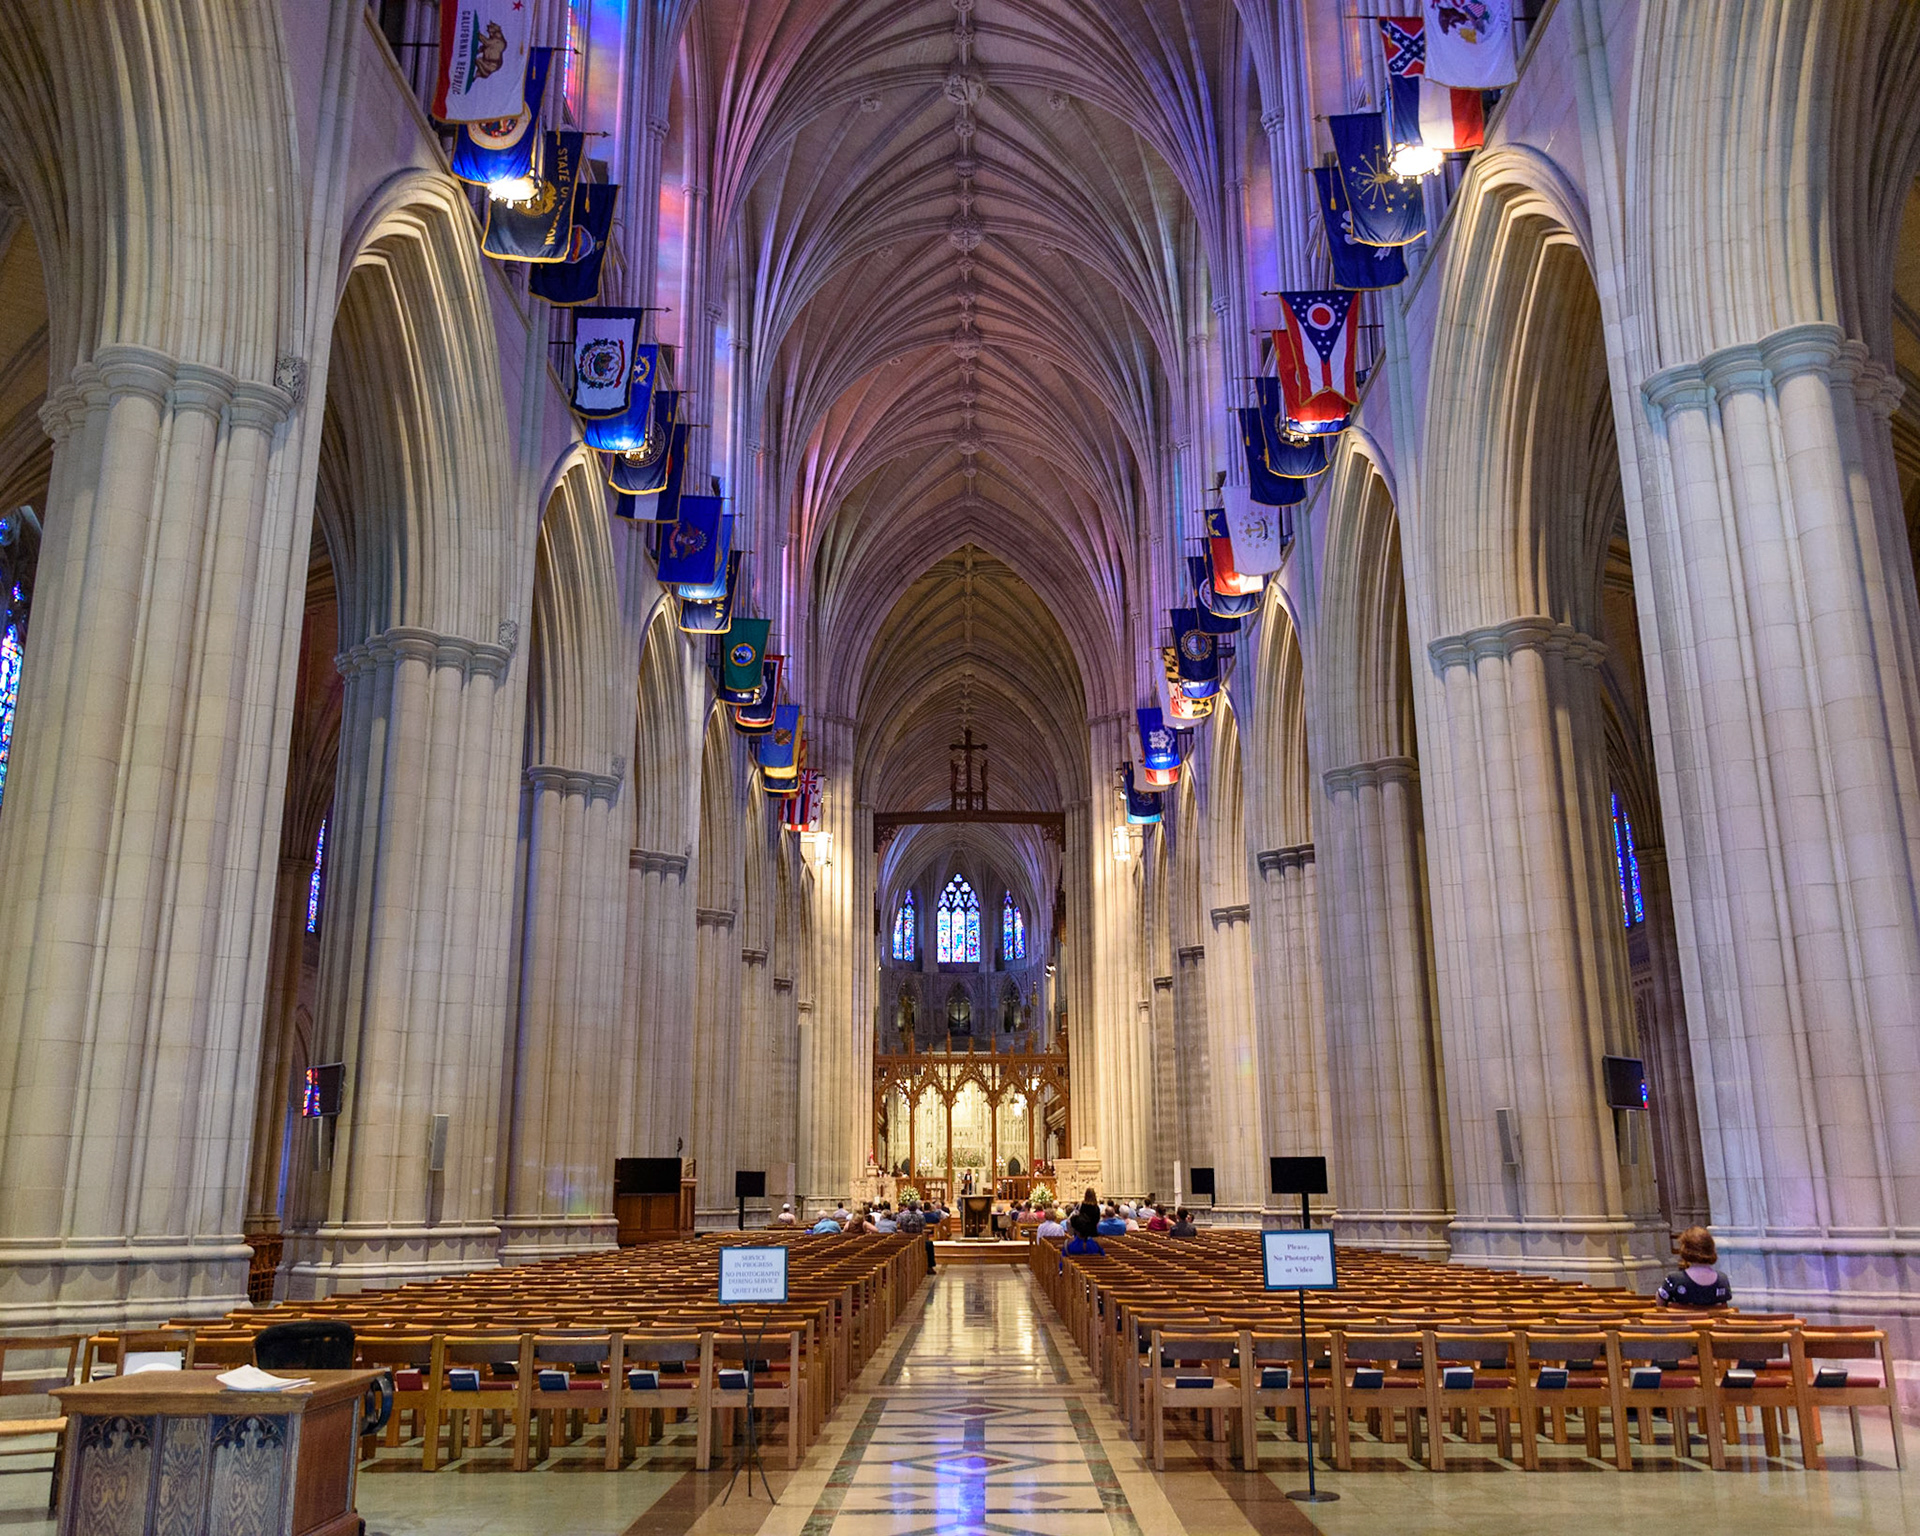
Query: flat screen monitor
1200	1180
1298	1175
749	1184
1626	1082
646	1175
320	1095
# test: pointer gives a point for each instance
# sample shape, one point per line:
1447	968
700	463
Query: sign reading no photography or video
753	1277
1298	1261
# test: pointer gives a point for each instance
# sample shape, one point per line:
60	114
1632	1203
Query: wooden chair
1204	1374
1266	1360
47	1369
1779	1385
780	1387
1412	1389
1819	1347
1476	1374
113	1348
652	1388
464	1409
1587	1391
413	1360
601	1389
1685	1387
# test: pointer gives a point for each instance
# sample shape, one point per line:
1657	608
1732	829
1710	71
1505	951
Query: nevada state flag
1315	357
1470	43
483	59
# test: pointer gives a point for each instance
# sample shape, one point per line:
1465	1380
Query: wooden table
176	1452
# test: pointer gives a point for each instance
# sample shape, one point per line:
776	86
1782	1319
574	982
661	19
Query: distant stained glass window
1013	930
905	930
1627	857
10	653
959	925
315	879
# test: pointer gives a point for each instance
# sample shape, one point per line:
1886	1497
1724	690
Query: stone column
415	959
1389	1171
715	1026
1193	1064
1533	961
1122	1085
1674	1110
836	1081
137	849
1296	1116
658	1001
1789	719
564	1100
1237	1046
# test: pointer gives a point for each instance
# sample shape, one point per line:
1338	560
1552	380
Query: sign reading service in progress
753	1277
1296	1261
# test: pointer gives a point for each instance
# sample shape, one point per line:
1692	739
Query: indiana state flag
1158	748
1354	265
693	552
1315	357
775	751
502	149
541	227
1143	806
1387	209
577	279
741	657
1297	458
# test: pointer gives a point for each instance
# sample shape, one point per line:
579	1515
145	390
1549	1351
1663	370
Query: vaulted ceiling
971	243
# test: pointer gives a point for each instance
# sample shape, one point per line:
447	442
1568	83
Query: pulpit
176	1452
976	1214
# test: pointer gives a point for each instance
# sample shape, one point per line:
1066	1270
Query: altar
969	1119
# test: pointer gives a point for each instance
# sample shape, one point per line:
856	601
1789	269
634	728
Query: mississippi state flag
1315	357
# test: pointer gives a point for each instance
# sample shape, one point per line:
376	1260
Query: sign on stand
753	1277
1302	1261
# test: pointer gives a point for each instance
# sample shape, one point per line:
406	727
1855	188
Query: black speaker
1297	1175
749	1184
646	1175
1200	1180
1626	1082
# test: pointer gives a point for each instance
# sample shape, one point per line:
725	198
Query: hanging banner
539	228
1355	265
1469	43
711	591
640	455
775	751
1315	355
751	719
1260	540
1239	606
1143	808
1263	484
741	659
1157	745
576	280
1199	656
712	615
1227	576
1293	458
612	371
1387	208
692	552
483	60
502	149
1178	706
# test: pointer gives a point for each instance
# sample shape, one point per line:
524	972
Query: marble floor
977	1419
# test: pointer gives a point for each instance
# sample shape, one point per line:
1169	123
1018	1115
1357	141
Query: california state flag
483	59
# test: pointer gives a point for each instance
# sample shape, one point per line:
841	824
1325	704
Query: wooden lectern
176	1452
976	1215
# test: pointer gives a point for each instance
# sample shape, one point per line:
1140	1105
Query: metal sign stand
753	1458
1312	1493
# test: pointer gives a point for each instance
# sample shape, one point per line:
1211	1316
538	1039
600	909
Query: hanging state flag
774	752
1157	781
1239	606
1296	458
1354	265
801	812
692	552
576	280
1403	42
539	228
1227	575
711	615
1179	706
641	457
612	371
1260	536
752	719
1158	748
1199	655
502	148
741	658
1143	807
1387	208
1425	119
1469	43
483	59
1264	485
711	591
1315	355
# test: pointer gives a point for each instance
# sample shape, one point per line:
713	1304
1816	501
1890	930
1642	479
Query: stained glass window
1627	858
959	941
314	881
1013	930
10	651
905	930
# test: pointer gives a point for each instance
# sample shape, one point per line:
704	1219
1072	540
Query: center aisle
978	1423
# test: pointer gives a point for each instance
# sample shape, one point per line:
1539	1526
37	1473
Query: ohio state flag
1315	357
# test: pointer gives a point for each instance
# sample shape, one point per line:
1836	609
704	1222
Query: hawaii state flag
483	60
1470	43
1315	357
